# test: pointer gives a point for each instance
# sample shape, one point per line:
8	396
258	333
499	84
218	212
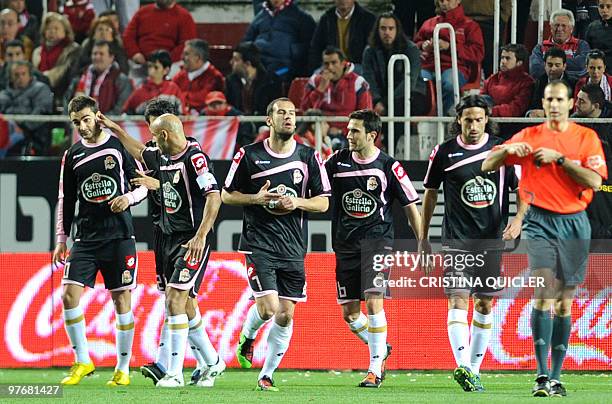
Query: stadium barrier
33	335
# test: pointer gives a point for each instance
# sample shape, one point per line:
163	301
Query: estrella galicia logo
98	188
172	199
479	192
283	190
358	204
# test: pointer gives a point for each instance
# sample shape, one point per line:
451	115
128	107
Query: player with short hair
562	164
189	204
365	182
157	370
475	215
95	172
277	181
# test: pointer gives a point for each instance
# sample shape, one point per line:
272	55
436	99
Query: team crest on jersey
479	192
372	184
172	199
184	275
177	177
358	204
297	176
283	190
98	188
126	277
109	162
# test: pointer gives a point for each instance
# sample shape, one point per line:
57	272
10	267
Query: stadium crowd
131	53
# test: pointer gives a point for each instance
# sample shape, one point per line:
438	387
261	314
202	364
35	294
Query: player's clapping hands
119	204
152	184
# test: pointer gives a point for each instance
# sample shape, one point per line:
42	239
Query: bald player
190	201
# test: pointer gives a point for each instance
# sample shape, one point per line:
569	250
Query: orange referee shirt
549	186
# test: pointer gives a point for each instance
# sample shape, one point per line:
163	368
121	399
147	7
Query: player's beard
284	134
92	136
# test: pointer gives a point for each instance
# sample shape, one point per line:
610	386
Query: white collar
197	73
348	16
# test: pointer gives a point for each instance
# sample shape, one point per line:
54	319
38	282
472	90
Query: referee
562	165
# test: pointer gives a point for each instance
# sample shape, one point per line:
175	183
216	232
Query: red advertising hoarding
33	335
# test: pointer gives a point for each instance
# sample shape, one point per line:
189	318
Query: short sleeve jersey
93	175
185	180
475	203
299	173
363	192
549	186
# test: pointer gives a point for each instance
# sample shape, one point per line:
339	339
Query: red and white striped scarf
86	80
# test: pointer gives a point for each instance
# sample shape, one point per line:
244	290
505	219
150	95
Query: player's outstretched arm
133	146
262	198
414	218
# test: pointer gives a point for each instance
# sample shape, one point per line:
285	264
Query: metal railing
391	103
438	69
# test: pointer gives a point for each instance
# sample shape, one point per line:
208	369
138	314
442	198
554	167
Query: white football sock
359	327
459	336
377	341
480	336
252	323
179	328
124	340
278	342
205	352
74	321
163	349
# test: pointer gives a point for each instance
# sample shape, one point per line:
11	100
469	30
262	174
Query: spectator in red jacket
336	90
198	76
156	86
81	14
163	25
470	48
596	74
510	89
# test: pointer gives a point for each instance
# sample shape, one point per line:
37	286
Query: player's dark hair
249	52
159	106
200	46
472	101
162	56
371	120
81	102
271	105
334	50
399	44
596	54
555	52
595	93
559	83
519	50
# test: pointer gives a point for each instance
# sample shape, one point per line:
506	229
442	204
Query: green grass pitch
237	386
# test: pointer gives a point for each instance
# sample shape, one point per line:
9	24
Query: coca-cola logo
34	328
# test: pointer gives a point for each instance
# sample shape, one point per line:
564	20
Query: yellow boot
77	372
119	379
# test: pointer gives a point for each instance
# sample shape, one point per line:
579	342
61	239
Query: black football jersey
94	174
363	192
185	179
475	203
298	173
154	205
